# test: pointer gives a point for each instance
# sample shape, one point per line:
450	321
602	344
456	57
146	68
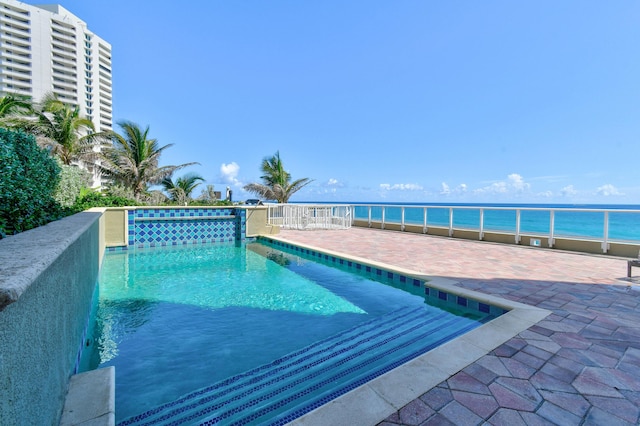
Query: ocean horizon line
507	205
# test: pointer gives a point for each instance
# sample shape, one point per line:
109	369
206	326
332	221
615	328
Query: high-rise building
46	49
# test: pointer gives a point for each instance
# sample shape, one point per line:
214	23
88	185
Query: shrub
72	180
120	191
91	199
28	180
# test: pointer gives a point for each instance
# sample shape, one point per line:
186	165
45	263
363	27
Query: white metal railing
547	226
310	216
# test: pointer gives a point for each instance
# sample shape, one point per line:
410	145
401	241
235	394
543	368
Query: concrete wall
47	279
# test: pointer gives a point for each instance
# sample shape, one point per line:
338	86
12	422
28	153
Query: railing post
481	236
517	226
551	228
605	241
402	218
451	221
382	224
424	226
369	207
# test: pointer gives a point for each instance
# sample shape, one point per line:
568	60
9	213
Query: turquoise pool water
254	334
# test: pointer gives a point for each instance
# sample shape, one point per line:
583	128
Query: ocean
570	220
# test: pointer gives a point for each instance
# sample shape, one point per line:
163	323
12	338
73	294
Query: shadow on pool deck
579	365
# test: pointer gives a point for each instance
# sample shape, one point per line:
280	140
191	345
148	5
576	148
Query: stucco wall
47	278
257	222
115	230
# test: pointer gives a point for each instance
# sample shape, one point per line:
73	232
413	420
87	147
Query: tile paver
580	365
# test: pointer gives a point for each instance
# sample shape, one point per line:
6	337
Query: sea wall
47	280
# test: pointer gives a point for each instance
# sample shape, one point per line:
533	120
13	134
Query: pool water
252	334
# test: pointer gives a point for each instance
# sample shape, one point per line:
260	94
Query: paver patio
578	366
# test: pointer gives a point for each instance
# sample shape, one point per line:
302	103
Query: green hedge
28	181
95	199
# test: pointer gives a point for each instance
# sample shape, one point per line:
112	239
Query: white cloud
229	173
514	184
608	190
517	183
330	186
568	191
401	187
445	189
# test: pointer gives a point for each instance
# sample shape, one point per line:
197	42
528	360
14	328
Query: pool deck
578	366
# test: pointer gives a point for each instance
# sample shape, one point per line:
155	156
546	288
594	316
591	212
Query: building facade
46	49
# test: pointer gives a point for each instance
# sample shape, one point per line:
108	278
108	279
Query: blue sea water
581	221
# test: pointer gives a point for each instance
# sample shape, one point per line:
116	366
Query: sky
387	101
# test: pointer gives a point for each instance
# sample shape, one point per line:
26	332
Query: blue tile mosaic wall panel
166	226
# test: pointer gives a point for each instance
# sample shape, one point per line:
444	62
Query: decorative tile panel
153	227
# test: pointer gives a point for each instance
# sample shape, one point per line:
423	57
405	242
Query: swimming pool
242	333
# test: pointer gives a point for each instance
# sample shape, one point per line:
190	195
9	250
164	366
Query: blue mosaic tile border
183	212
438	297
455	301
157	227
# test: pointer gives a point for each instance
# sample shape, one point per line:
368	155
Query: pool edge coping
374	401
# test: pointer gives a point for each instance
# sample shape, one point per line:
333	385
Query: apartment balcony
12	53
67	36
63	51
65	96
104	50
7	16
63	26
9	39
18	30
65	88
16	74
69	44
71	84
19	67
64	72
105	90
15	88
63	61
15	79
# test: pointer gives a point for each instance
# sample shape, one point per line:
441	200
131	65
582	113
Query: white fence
587	224
308	216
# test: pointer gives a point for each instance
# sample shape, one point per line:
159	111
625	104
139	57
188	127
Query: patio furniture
630	264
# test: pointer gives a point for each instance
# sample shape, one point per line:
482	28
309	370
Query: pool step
257	396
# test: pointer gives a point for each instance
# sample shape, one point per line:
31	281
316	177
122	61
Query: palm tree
60	128
12	106
180	190
132	160
276	179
